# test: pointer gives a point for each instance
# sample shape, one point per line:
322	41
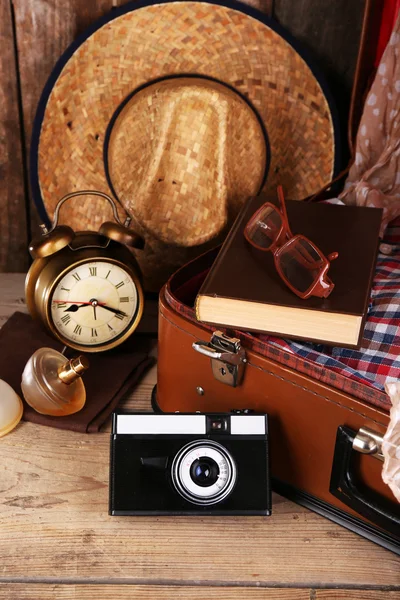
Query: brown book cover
243	289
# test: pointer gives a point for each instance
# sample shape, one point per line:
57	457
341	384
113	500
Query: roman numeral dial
94	303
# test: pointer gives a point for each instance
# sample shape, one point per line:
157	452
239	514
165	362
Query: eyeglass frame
323	285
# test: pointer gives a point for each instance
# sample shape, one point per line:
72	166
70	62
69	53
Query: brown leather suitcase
325	430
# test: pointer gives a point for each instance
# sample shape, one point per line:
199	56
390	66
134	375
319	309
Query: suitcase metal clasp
368	442
228	358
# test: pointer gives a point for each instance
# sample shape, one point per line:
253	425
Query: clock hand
117	311
75	307
71	301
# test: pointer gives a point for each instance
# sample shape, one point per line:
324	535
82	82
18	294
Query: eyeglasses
301	265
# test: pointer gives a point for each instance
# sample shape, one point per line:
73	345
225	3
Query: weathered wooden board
21	591
144	592
13	233
330	31
12	295
350	594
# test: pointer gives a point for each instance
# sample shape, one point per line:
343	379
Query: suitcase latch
228	358
368	442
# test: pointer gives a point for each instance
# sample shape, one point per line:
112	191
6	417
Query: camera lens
204	471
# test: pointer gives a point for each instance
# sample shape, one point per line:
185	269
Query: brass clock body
88	294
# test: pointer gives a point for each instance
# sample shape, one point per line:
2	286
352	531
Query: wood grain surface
164	592
13	233
12	296
324	29
55	530
330	32
350	594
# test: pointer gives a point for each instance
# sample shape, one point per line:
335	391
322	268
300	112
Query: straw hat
181	110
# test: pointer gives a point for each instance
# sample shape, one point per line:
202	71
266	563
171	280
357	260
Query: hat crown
186	141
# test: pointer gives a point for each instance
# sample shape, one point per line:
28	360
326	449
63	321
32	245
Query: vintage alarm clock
85	287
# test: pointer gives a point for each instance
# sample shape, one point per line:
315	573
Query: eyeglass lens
300	264
265	227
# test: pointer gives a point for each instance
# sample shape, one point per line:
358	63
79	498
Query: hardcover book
244	291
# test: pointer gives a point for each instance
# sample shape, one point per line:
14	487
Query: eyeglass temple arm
281	198
331	256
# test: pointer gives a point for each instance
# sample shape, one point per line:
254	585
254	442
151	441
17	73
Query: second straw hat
181	110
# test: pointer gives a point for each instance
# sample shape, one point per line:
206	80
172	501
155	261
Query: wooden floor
58	542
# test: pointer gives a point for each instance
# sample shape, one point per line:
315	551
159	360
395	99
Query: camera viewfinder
217	424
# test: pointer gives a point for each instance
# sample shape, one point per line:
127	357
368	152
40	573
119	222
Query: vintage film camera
199	464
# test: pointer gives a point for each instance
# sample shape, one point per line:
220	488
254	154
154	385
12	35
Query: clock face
94	303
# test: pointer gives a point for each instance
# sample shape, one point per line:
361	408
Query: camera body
180	464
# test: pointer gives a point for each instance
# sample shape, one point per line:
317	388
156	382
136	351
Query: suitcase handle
345	486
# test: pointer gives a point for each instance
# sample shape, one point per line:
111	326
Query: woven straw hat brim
145	42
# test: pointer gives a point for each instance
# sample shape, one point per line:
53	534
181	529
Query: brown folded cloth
110	375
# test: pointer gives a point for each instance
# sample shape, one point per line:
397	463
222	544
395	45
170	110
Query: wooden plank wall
34	33
13	232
